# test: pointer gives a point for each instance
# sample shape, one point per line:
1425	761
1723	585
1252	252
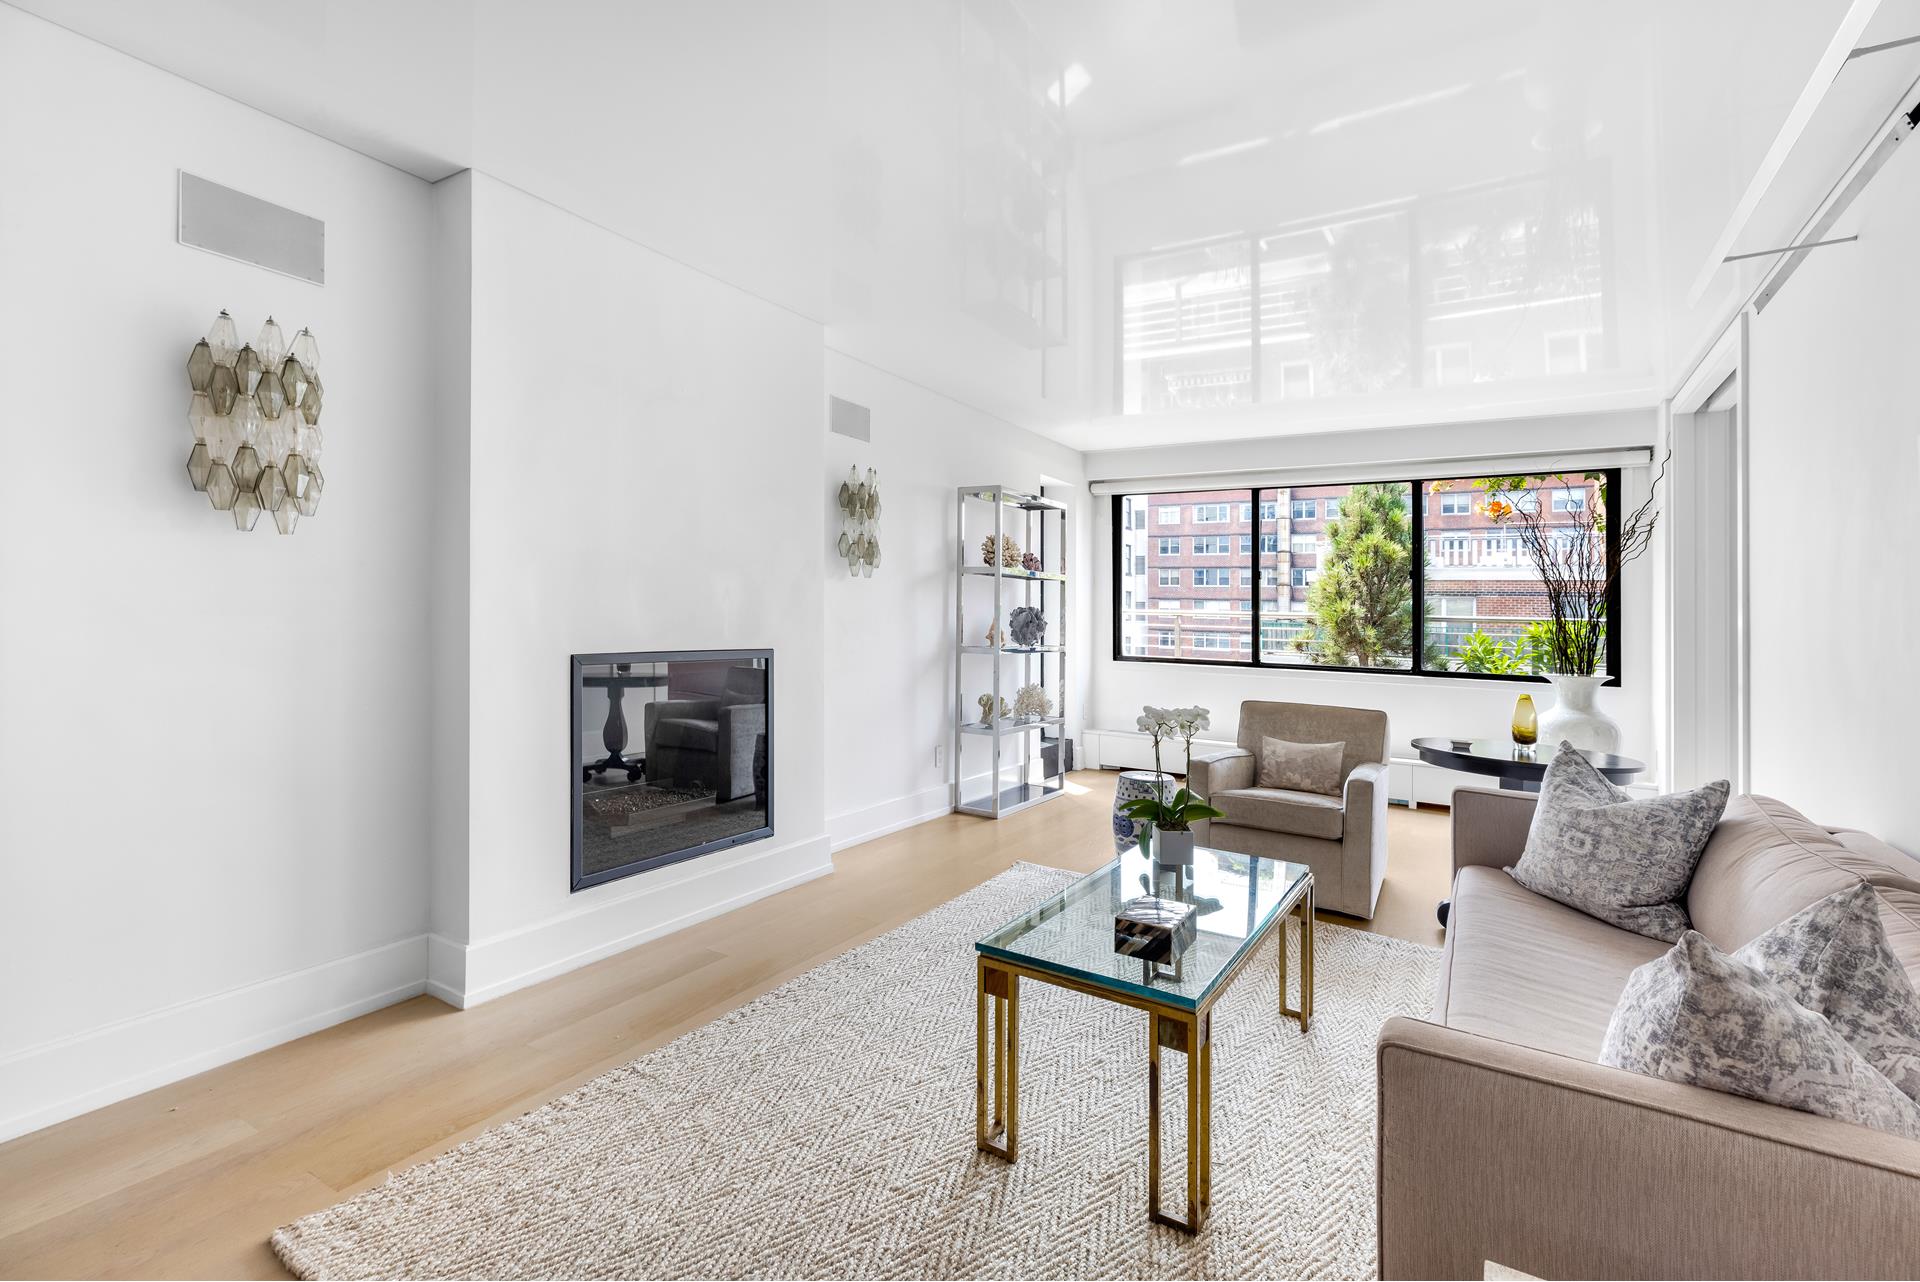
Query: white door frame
1723	375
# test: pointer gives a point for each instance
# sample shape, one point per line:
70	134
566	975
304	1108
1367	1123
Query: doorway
1707	600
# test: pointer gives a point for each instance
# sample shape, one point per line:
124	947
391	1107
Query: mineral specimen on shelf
1028	625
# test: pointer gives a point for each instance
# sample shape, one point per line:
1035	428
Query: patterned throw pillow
1301	767
1625	861
1695	1015
1834	958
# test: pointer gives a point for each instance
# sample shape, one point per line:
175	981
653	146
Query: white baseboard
57	1080
64	1078
657	904
446	969
853	827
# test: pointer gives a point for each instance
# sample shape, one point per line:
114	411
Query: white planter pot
1172	848
1575	717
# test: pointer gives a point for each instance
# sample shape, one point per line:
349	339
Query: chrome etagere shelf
1005	764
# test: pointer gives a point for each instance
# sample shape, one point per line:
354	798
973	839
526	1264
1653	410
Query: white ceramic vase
1575	716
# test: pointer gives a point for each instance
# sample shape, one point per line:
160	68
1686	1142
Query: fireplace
672	758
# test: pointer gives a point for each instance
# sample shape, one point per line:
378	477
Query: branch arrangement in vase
1569	553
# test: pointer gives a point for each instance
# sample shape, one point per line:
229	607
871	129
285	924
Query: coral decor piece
1028	624
1030	563
255	417
1008	551
986	709
1031	701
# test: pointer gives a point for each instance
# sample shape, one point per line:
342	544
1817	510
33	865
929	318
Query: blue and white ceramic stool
1135	784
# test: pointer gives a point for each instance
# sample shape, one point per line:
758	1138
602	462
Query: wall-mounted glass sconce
255	417
860	522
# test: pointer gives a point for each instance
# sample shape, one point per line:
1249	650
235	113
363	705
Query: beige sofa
1343	839
1502	1139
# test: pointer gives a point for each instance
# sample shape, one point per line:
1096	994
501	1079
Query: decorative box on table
1154	930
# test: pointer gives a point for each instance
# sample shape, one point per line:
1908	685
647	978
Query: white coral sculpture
1032	701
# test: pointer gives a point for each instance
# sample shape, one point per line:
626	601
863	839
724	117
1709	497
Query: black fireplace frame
577	760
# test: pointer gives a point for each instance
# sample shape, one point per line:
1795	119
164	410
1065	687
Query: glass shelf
1041	575
1018	797
1010	725
1012	498
1012	649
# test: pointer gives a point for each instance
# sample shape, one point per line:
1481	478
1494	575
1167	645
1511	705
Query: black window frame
1417	520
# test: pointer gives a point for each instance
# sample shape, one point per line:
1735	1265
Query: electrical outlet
939	755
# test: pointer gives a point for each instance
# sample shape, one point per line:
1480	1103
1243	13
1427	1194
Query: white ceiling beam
1845	39
1877	152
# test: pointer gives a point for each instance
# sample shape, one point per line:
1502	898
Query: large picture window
1420	577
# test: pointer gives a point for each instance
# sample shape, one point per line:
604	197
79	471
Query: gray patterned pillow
1623	860
1695	1015
1834	958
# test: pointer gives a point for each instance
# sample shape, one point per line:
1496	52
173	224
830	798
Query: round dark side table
1518	769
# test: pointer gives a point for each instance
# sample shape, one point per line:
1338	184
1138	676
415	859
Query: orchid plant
1162	724
1177	813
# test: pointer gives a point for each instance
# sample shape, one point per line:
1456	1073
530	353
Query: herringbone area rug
826	1130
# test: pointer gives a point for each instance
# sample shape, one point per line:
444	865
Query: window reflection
1504	282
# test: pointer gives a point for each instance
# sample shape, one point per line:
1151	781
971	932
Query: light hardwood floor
188	1180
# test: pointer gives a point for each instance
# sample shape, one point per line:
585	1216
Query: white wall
1835	480
212	792
1415	706
645	454
890	638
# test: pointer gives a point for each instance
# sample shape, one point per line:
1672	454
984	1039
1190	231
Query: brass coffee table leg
1204	1112
1189	1035
997	1010
1304	1011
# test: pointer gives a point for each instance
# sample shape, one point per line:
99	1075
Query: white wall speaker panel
849	419
235	225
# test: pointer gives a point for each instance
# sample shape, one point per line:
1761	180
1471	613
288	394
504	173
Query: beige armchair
1342	838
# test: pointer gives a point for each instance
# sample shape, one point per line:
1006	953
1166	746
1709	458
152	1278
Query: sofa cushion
1301	767
1900	915
688	732
1701	1018
1871	848
1521	968
1626	860
1766	861
1304	814
1835	959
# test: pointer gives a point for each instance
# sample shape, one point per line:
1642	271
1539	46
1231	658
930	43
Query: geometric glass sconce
860	522
255	417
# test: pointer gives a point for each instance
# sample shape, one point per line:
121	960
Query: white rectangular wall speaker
235	225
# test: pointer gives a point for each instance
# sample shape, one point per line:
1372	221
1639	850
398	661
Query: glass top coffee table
1068	940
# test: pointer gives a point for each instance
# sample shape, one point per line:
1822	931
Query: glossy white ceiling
848	160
